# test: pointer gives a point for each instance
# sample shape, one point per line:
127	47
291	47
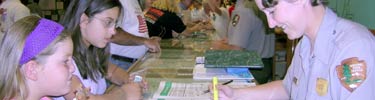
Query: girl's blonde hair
167	5
12	80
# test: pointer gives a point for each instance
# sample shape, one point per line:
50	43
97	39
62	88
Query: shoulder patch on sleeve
235	20
351	73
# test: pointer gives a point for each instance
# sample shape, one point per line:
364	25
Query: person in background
184	10
36	60
219	18
132	21
196	12
93	23
247	32
335	58
185	4
13	10
230	4
163	21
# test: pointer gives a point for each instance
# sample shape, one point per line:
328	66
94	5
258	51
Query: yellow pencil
216	92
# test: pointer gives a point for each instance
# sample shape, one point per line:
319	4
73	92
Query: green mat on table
232	58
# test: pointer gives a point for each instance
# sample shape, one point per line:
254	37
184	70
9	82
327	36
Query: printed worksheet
182	91
188	91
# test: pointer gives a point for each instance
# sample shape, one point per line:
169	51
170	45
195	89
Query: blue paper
241	72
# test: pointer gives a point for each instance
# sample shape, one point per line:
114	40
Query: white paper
189	91
182	91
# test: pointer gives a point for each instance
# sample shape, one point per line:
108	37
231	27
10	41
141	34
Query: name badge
321	86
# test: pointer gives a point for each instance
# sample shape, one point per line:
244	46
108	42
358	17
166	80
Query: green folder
232	58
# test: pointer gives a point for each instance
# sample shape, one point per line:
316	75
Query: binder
232	58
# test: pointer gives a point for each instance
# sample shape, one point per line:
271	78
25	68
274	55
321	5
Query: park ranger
334	60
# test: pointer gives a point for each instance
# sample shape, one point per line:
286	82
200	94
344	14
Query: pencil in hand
226	83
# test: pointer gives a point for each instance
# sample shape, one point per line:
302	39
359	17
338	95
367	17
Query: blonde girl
35	60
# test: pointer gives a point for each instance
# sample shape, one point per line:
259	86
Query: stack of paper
202	73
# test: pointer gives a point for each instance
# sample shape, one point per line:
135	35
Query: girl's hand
82	93
140	80
132	91
225	92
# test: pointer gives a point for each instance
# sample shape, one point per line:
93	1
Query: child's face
56	72
289	15
101	27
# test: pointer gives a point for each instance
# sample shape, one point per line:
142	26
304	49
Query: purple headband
44	33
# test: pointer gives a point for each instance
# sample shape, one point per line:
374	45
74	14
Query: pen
230	81
216	92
